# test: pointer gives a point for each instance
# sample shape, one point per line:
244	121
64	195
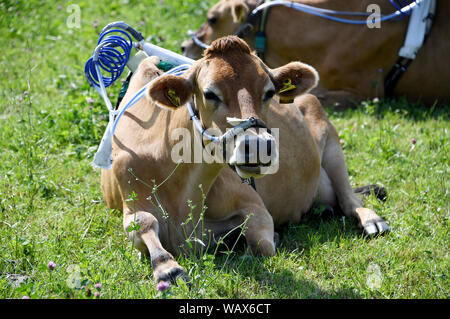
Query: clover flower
51	265
162	285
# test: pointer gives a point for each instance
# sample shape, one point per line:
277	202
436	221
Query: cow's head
232	82
222	19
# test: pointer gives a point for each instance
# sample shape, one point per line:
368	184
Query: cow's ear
170	91
293	79
239	11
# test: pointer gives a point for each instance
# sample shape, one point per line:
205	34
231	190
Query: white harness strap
420	23
419	26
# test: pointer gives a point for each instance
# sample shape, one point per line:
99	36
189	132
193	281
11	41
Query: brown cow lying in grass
229	81
352	61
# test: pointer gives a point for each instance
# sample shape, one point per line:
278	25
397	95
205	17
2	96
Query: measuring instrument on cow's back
422	14
112	54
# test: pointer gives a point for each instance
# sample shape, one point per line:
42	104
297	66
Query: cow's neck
188	176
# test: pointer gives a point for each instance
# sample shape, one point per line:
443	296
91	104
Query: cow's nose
253	150
184	45
254	155
260	153
269	146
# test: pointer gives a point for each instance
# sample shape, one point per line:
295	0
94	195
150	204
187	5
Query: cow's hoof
375	227
171	276
263	247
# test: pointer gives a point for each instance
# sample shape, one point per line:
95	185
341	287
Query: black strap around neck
250	181
260	36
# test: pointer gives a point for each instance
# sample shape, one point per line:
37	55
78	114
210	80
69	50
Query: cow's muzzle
255	154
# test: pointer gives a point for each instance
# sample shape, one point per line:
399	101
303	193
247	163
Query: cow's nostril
183	48
247	149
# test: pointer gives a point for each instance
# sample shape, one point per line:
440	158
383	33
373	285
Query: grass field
51	206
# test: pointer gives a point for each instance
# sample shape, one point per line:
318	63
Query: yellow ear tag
287	86
241	16
173	98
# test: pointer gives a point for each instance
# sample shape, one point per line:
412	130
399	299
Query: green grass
51	206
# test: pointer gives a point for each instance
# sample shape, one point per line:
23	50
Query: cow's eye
269	94
209	95
212	20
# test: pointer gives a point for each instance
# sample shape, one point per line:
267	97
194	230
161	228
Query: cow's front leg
260	230
334	180
336	170
230	198
142	229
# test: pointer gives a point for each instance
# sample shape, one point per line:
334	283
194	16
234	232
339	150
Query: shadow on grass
286	284
314	228
298	239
